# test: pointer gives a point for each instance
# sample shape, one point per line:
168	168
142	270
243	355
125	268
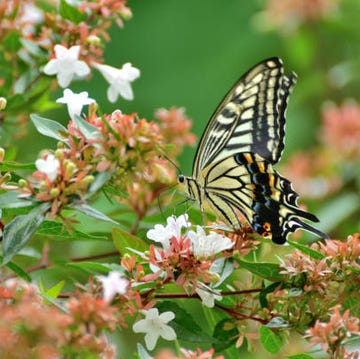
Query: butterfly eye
181	178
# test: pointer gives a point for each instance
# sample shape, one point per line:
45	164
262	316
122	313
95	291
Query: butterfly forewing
251	117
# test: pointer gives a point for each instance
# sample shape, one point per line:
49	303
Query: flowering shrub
166	286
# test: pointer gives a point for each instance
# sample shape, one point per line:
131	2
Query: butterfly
233	170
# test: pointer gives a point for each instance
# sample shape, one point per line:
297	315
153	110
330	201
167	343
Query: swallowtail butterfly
233	168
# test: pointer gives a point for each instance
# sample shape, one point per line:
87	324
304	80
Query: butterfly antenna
172	162
171	197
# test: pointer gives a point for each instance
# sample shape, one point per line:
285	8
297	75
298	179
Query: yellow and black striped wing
251	117
248	184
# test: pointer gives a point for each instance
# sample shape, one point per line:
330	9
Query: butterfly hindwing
248	184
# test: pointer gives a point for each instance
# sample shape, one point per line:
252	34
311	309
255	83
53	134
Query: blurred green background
191	52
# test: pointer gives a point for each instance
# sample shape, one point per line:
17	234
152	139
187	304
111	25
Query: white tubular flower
155	326
208	245
114	283
75	101
119	80
66	65
208	296
173	228
50	166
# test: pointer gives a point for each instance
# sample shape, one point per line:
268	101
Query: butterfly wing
251	117
248	184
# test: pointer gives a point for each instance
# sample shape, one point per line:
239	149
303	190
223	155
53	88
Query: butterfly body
233	169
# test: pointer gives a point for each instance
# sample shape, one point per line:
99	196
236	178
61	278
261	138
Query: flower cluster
188	354
186	258
317	279
35	329
61	179
287	15
336	261
86	25
175	127
341	129
333	334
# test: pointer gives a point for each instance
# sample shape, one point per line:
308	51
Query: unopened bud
59	154
3	103
213	277
93	40
2	154
70	169
54	192
89	179
22	183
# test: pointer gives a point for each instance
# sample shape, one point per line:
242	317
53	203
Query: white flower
208	245
75	101
50	166
119	80
114	283
172	229
208	296
66	65
155	326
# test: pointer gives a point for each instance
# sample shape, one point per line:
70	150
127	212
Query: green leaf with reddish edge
272	341
269	271
20	230
125	241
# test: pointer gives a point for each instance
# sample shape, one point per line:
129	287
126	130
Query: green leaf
301	356
273	342
54	291
100	179
142	353
92	212
11	42
87	129
124	241
49	128
269	289
92	267
20	230
13	166
56	229
312	253
11	200
269	271
226	333
32	48
18	271
71	12
183	324
278	322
